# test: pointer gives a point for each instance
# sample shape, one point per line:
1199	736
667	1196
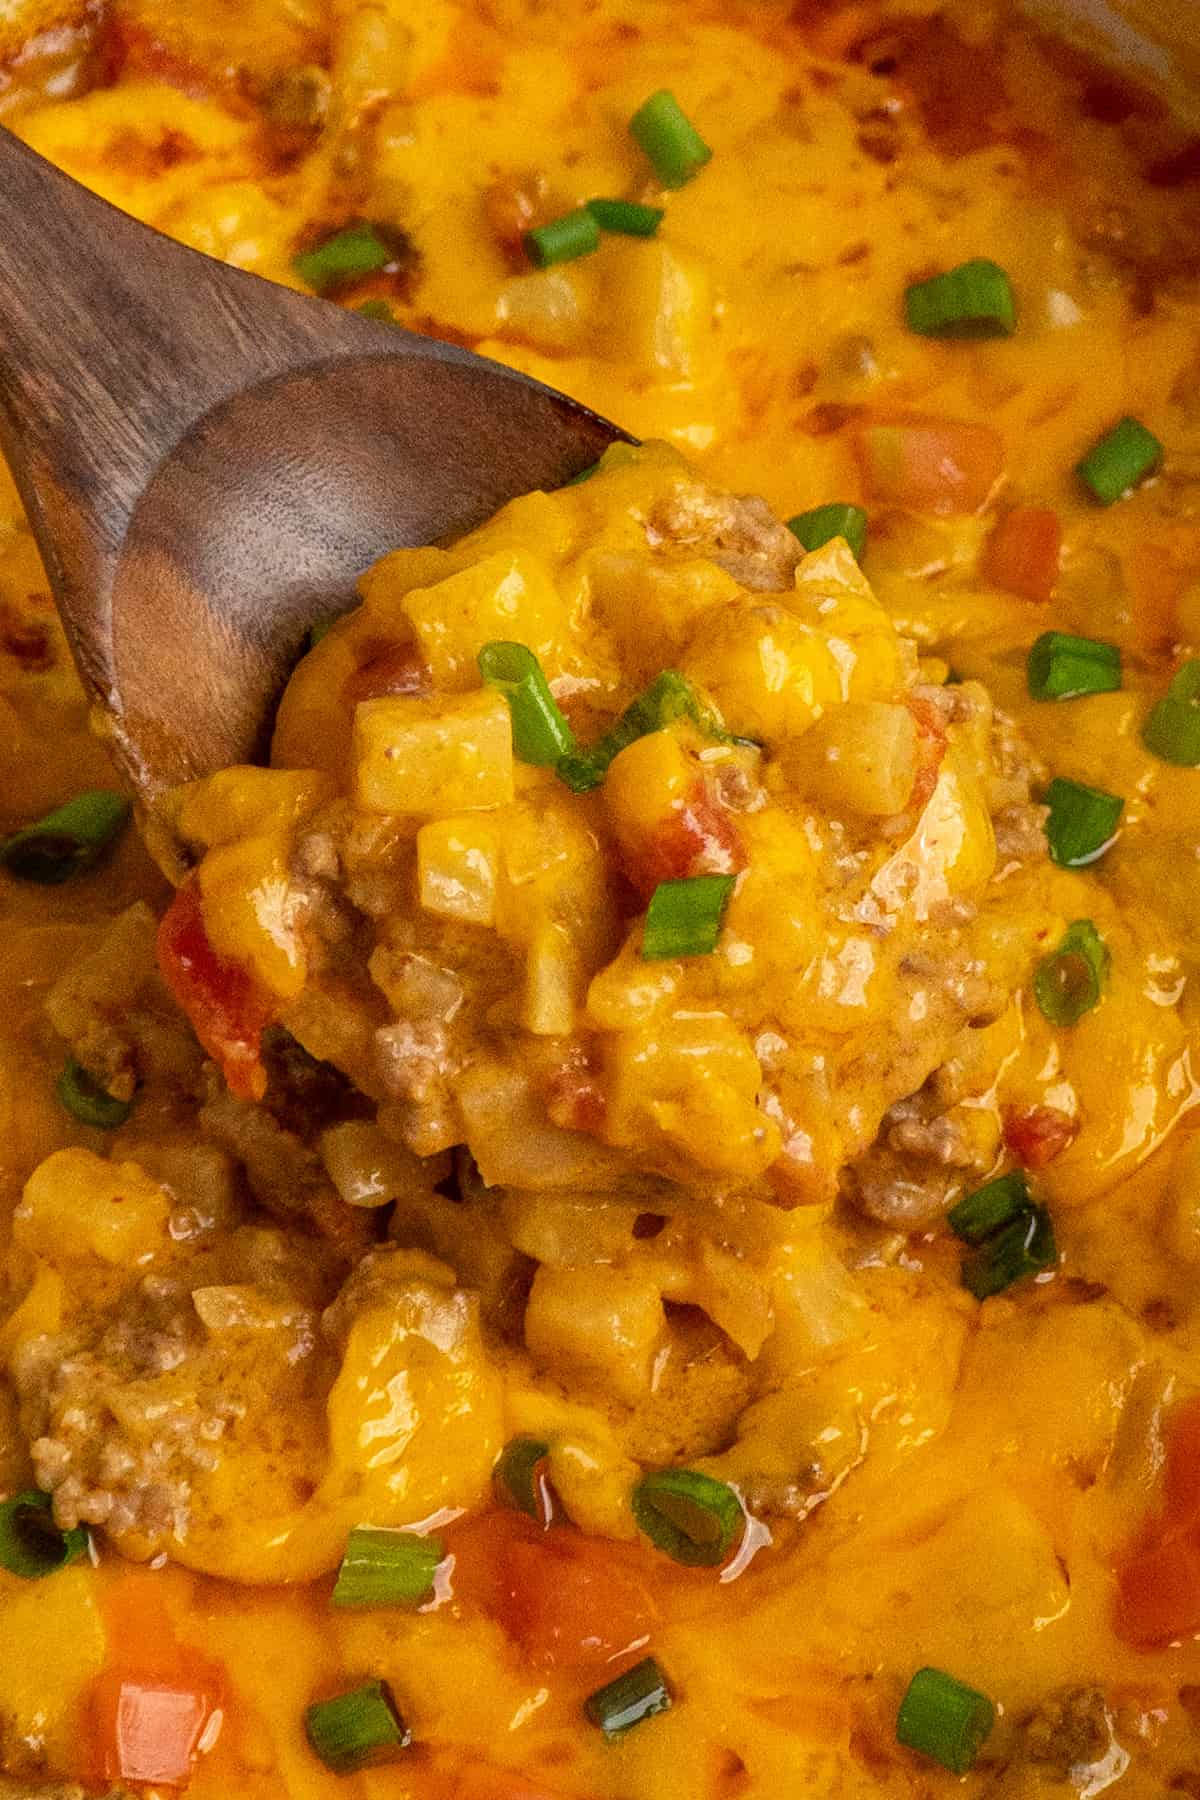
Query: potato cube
458	863
859	758
77	1206
433	757
600	1327
508	596
770	673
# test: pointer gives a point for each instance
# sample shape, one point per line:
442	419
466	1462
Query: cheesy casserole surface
627	1224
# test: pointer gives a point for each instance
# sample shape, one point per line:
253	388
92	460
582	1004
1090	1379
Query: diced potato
52	1644
692	1083
370	1169
433	757
509	596
458	867
951	852
415	1419
76	1205
554	983
252	911
858	758
770	674
600	1327
650	608
659	315
644	783
513	1141
235	802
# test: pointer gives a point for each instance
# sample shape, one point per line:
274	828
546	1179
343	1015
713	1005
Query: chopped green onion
1025	1247
944	1719
996	1204
31	1544
1123	457
360	1729
386	1568
583	475
669	139
1061	667
693	1518
1069	982
670	696
823	523
68	840
972	301
1172	727
521	1479
1082	824
345	257
377	309
541	735
626	217
638	1694
684	917
562	240
320	630
87	1101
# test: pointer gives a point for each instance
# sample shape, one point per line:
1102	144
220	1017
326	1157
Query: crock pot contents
625	1227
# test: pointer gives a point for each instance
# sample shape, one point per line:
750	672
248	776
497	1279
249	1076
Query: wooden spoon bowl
209	461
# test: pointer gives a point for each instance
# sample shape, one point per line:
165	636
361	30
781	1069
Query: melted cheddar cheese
490	1172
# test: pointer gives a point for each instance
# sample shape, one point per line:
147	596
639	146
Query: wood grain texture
209	461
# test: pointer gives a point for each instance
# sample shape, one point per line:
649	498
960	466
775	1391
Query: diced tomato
1181	1483
478	1783
697	837
930	465
1158	1580
931	749
571	1602
228	1009
386	669
1158	1592
151	1728
1037	1134
1022	553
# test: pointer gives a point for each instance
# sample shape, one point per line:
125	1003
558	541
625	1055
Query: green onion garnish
345	257
1061	667
974	300
823	523
87	1101
31	1544
684	917
1172	727
1123	457
377	309
1026	1247
521	1480
386	1568
357	1730
583	475
541	735
1069	982
996	1204
693	1518
626	217
562	240
944	1719
670	696
1083	822
669	139
68	840
638	1694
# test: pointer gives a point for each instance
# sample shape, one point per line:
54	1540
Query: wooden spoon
209	460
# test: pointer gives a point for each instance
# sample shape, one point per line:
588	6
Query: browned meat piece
738	531
914	1171
283	1174
112	1441
1021	833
